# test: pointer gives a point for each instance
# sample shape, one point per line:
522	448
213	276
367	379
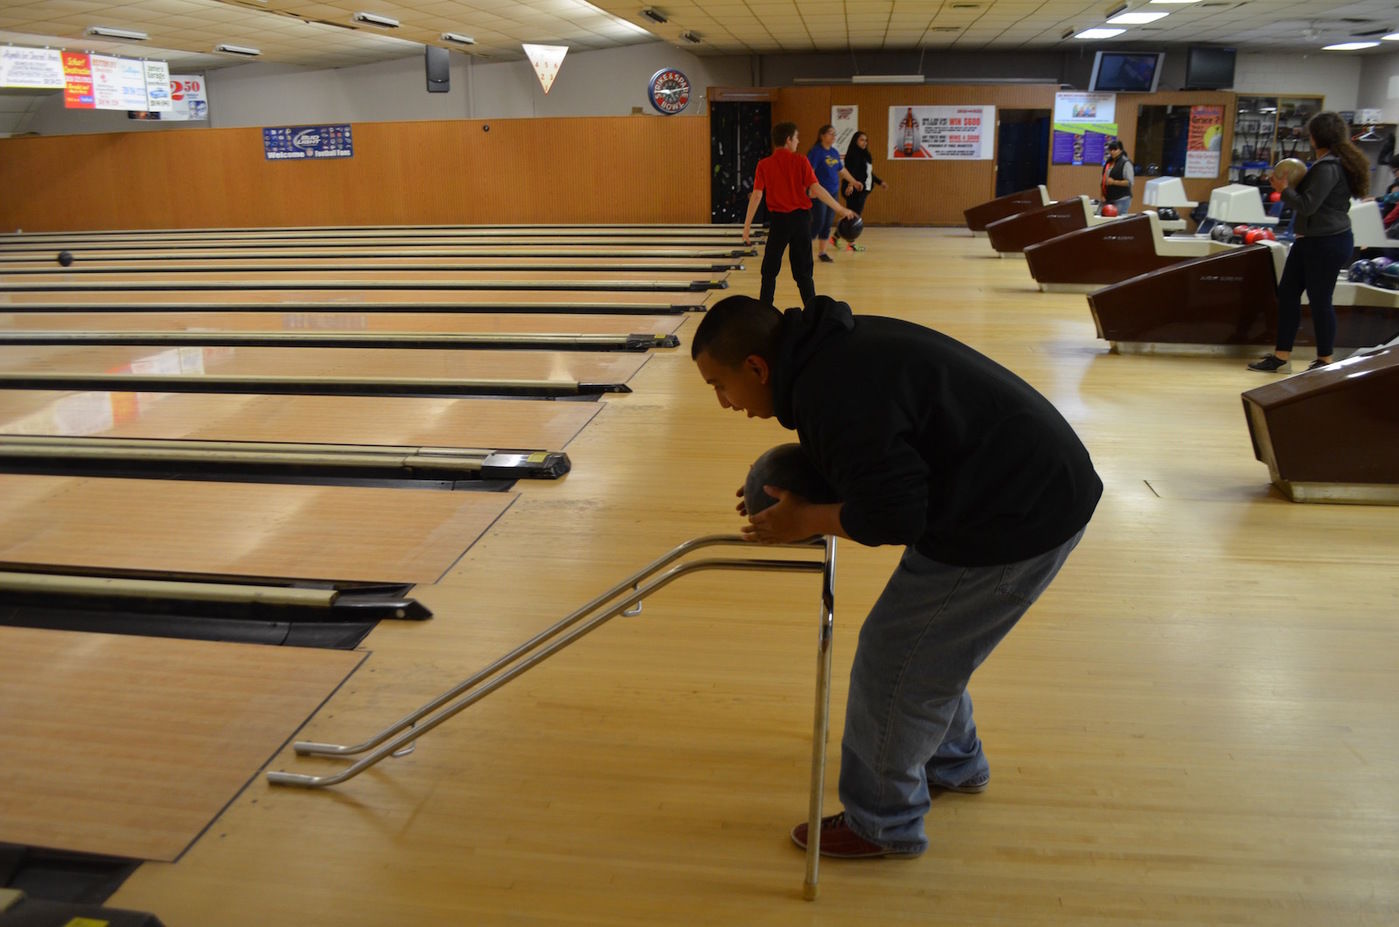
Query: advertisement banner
118	83
1205	142
77	81
188	99
1081	143
35	68
306	143
942	133
157	87
1085	108
846	120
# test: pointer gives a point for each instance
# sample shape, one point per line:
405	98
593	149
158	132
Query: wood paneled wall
920	192
595	169
1066	180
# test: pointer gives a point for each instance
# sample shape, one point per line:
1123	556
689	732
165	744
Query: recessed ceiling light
1098	33
374	19
1136	19
1350	46
110	33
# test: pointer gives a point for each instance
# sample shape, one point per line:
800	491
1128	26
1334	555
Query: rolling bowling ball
785	466
1290	170
1108	210
65	258
850	229
1388	277
1358	272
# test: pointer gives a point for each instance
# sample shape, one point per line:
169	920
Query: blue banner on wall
301	143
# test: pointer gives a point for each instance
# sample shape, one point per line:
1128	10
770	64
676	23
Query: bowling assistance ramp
625	598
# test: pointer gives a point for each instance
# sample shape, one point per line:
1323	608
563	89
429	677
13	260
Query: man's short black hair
735	328
781	132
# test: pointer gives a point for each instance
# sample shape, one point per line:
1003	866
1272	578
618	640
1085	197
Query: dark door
1022	154
740	136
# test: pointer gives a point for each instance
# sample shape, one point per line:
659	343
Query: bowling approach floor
1195	725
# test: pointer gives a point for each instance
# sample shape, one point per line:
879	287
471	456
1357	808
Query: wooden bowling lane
362	264
352	301
512	240
419	371
367	420
150	527
546	331
591	230
130	746
47	254
591	281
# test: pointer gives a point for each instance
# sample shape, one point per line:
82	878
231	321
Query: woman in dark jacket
1321	202
860	163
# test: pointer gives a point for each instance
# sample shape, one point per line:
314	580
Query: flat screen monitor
1126	72
1209	68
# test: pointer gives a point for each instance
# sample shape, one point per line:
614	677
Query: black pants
788	229
856	200
1312	265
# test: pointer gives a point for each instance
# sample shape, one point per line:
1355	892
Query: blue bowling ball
1388	277
1361	271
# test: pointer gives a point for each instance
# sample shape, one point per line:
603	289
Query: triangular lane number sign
547	59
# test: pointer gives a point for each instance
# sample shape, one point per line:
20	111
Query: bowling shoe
1270	363
838	841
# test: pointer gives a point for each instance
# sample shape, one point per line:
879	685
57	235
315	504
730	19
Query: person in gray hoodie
934	447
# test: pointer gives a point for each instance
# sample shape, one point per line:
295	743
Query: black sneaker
1270	363
827	258
1318	364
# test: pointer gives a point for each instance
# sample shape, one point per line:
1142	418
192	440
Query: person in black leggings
1321	203
860	163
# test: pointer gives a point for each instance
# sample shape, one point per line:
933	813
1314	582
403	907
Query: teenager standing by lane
830	170
860	163
787	181
1321	203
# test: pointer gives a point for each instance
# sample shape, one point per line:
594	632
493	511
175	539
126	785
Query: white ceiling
323	34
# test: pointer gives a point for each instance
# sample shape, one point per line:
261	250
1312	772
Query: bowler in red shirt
789	183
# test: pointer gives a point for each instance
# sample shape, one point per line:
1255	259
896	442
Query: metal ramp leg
398	738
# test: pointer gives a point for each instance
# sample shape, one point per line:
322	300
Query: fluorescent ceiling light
887	79
1136	19
1099	33
110	33
1349	46
1392	37
458	38
238	50
374	19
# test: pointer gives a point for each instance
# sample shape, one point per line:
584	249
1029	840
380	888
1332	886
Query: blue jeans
908	719
821	216
1313	264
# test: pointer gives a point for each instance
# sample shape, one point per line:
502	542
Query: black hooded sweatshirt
927	442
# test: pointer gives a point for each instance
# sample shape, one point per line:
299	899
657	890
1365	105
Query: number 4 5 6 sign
188	97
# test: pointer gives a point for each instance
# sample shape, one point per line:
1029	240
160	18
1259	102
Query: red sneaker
838	841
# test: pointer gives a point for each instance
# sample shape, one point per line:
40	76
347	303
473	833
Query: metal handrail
398	736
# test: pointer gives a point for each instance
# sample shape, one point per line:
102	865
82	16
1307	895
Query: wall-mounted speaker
438	62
